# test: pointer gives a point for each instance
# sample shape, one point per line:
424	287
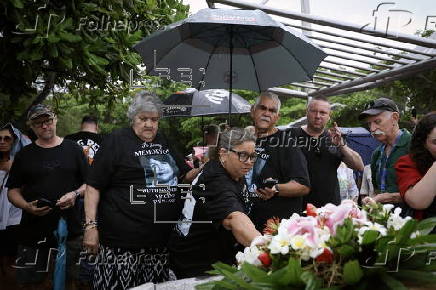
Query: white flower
396	221
280	243
373	227
249	255
298	242
261	240
388	207
415	234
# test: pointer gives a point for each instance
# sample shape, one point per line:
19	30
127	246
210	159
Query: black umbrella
220	48
203	103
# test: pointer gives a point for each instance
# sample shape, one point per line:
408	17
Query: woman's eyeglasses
244	156
5	138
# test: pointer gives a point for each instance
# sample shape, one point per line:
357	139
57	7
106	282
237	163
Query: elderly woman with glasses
126	195
215	220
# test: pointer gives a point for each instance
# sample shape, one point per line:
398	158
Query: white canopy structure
359	58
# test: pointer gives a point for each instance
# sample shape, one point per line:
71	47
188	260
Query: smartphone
45	202
269	182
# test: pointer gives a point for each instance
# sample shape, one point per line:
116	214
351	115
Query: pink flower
333	216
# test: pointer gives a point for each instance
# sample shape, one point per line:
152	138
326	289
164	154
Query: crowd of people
136	211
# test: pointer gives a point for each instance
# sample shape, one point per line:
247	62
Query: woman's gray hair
144	101
233	137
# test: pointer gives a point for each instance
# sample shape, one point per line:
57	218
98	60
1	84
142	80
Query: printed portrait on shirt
159	169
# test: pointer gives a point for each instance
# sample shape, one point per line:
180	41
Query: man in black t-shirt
276	162
88	137
45	180
324	151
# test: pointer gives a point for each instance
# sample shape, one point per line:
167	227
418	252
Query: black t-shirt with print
90	143
48	173
323	160
279	160
194	247
128	173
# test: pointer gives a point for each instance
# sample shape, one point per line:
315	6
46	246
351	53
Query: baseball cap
378	106
40	110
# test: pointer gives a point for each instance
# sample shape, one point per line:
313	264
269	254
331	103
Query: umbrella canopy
203	103
228	48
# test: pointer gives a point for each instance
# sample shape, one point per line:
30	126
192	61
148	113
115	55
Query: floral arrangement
336	247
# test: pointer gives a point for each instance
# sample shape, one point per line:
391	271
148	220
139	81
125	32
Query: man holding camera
279	177
45	180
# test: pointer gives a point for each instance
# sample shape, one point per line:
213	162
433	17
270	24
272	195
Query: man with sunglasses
324	151
279	177
382	117
45	180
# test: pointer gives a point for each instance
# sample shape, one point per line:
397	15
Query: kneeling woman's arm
241	226
422	194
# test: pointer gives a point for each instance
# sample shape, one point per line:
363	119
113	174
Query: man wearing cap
45	180
382	117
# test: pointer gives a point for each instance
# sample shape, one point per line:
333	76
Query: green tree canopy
81	46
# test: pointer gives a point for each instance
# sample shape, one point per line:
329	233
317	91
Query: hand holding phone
33	208
269	182
42	202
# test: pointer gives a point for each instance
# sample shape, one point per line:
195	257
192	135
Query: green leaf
418	277
53	51
53	38
221	267
427	239
311	281
369	237
226	285
238	280
352	272
294	272
18	4
404	234
70	37
98	60
66	62
426	224
344	232
254	273
345	251
392	283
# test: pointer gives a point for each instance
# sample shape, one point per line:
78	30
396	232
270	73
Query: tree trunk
49	84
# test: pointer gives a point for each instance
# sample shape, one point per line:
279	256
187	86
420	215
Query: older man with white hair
382	117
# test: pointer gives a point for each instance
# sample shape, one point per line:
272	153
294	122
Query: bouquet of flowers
336	247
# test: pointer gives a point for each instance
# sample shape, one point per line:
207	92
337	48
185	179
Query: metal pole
401	37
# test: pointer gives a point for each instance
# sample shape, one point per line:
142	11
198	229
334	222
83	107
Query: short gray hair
271	96
233	137
144	101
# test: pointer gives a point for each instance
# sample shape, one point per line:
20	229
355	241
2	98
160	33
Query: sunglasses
244	156
39	124
5	138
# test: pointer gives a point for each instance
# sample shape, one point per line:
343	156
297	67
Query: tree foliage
82	46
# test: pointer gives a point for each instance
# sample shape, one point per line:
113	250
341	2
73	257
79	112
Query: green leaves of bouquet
336	247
